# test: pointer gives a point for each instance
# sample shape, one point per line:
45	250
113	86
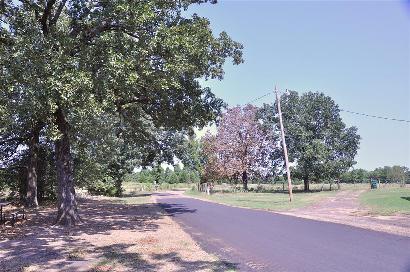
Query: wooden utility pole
285	150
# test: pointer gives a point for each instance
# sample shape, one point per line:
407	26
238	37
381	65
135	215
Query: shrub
105	188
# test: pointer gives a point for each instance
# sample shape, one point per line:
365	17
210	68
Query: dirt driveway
344	208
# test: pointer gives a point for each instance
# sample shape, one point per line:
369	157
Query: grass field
279	187
387	201
265	201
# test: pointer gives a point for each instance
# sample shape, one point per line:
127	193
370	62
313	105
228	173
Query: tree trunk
208	188
118	187
67	205
245	180
31	194
306	182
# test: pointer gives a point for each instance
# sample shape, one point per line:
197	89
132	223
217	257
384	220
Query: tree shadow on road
175	209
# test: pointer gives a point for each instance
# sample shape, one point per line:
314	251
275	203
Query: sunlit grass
387	200
265	201
135	199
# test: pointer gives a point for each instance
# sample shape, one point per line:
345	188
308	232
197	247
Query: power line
348	111
260	97
374	116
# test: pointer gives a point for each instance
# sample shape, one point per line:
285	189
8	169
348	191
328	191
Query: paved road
263	241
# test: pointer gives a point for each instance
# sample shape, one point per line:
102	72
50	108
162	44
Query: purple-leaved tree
240	148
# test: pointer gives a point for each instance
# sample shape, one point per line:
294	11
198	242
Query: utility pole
285	150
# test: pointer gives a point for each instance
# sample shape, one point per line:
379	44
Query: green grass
387	201
265	201
278	187
136	200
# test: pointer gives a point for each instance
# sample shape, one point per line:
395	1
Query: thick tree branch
93	32
12	167
46	16
109	27
54	20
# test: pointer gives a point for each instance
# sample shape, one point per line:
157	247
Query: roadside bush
106	188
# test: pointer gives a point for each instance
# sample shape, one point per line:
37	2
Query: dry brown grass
114	236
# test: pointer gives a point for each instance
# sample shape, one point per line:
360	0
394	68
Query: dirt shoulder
113	237
344	208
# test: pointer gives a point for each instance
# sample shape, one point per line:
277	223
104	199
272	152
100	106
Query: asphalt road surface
263	241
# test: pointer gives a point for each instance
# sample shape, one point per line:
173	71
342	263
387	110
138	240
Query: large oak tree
138	60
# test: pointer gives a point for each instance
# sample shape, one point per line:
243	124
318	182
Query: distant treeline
160	175
386	174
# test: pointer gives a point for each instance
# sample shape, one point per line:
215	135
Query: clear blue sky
356	52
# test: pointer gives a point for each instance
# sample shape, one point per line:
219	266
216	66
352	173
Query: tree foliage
392	174
137	63
386	174
319	143
161	175
240	147
355	176
191	154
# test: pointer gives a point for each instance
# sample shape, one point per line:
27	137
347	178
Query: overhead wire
258	98
375	116
348	111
